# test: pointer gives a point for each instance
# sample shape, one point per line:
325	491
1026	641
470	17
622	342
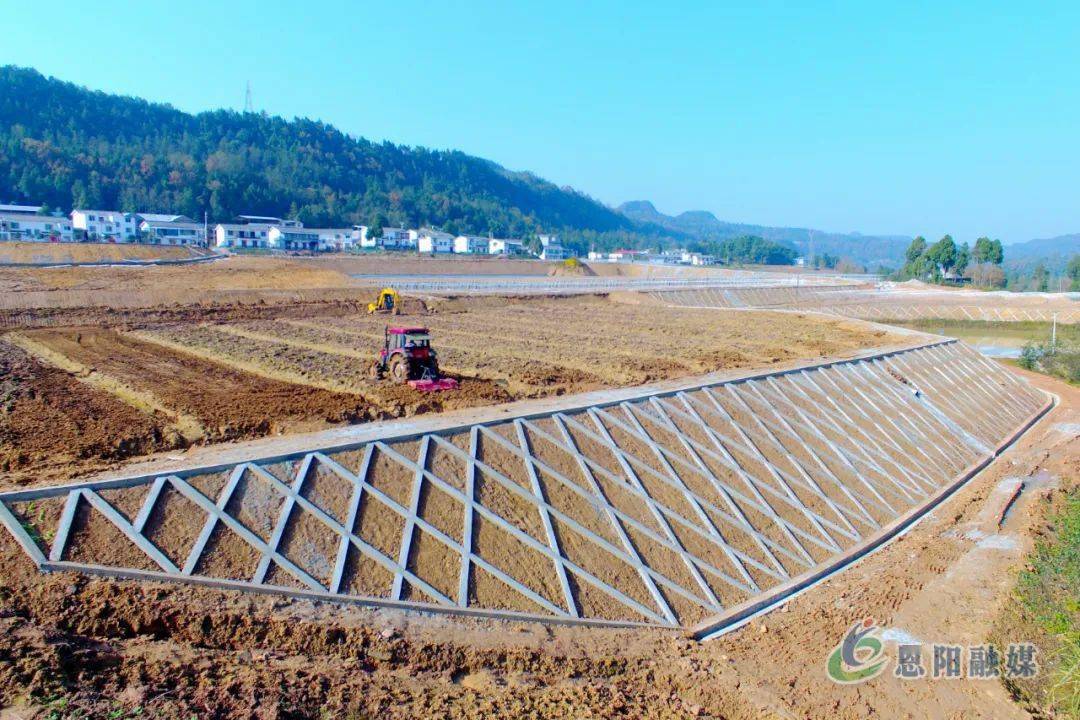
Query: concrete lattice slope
887	304
667	509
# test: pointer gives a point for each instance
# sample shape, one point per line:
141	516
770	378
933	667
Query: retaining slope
680	509
873	304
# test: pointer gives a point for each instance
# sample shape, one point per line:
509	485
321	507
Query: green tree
375	227
963	257
988	251
1073	273
1040	278
532	244
942	255
915	250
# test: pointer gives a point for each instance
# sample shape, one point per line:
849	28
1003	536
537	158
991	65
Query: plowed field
50	421
534	348
178	381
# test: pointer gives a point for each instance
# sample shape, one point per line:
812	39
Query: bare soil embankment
29	252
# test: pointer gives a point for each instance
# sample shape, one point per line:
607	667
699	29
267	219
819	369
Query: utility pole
206	228
1053	335
248	106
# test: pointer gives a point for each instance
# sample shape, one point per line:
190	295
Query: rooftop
102	212
159	218
27	217
266	219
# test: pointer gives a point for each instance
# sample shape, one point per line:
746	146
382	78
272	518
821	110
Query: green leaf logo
859	656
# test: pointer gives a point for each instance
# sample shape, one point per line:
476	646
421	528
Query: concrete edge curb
49	566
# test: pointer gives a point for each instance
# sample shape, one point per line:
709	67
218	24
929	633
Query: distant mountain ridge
1054	252
67	146
1044	247
868	250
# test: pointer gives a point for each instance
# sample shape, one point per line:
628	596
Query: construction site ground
72	644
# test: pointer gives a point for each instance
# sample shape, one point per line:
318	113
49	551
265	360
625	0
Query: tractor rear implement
408	358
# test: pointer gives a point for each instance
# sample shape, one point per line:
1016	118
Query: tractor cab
407	357
413	341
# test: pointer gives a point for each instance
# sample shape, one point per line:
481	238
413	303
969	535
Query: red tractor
407	357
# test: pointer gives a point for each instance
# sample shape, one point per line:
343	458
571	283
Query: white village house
171	230
471	245
34	228
697	259
236	235
430	240
105	225
338	239
551	249
498	246
395	238
293	238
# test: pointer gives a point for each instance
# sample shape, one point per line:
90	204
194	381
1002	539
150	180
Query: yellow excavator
388	302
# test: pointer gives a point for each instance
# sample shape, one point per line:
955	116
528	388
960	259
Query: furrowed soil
203	375
75	646
228	404
545	346
49	422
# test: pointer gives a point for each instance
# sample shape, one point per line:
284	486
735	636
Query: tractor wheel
399	369
375	370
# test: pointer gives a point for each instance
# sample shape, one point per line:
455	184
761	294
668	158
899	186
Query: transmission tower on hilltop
248	107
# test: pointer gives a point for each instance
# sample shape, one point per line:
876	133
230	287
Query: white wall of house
396	239
433	241
335	239
289	238
691	258
506	247
35	228
241	236
105	225
553	251
471	245
359	236
161	232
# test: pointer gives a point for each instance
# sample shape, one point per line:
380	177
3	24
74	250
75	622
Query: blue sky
917	118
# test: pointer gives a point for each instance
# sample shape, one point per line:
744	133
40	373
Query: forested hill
869	250
71	147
